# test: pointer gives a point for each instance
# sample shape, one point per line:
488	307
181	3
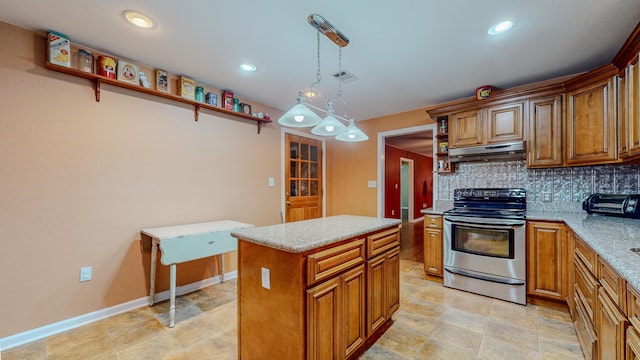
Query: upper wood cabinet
629	111
465	129
504	123
544	139
493	124
590	135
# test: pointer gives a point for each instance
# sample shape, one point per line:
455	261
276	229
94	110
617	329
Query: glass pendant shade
352	133
329	126
299	116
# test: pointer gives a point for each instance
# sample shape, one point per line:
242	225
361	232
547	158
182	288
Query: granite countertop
301	236
610	237
439	208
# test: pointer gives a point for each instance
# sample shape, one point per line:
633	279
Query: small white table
183	243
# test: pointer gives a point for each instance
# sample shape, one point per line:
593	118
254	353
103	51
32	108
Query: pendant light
301	114
352	133
329	126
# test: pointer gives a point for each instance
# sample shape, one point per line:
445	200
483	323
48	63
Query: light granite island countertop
301	236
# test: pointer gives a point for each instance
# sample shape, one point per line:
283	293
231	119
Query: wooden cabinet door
433	252
611	329
376	301
465	129
324	319
393	281
383	289
591	124
633	107
544	138
354	298
504	123
633	344
546	258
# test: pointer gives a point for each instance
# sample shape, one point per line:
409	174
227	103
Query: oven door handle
483	276
492	223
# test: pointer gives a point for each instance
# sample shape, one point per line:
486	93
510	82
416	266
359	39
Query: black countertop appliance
613	205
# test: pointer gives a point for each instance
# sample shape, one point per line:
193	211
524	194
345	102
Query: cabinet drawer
633	306
587	255
433	221
327	263
584	330
586	288
614	285
382	241
633	343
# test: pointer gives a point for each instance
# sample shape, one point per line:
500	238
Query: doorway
406	189
304	180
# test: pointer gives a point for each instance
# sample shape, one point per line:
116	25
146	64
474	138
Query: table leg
152	279
172	304
222	267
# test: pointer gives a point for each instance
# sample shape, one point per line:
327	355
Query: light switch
266	278
272	182
372	184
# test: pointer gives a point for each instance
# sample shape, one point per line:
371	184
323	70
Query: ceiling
406	54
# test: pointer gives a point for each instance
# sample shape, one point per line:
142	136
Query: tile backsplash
562	188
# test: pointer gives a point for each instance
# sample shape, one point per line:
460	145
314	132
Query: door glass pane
314	153
314	171
293	171
305	170
293	150
304	151
304	187
314	187
293	188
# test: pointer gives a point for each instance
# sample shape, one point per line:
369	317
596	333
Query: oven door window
481	241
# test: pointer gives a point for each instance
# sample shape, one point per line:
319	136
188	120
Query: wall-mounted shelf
98	80
442	157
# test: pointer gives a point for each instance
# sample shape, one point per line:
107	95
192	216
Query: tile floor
433	322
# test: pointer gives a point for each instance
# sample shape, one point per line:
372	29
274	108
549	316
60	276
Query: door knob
288	202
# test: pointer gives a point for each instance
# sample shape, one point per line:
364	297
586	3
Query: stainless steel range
484	243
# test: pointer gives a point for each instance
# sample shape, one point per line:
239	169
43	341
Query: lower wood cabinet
633	344
383	283
433	251
611	327
547	260
336	314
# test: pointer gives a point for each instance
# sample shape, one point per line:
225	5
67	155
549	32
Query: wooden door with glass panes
303	178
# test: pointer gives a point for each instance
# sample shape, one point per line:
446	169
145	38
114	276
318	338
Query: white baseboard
12	341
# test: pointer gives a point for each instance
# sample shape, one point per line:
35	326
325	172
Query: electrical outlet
85	273
266	278
546	196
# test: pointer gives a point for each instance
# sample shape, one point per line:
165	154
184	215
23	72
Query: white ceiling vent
345	76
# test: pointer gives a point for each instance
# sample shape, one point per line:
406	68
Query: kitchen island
321	288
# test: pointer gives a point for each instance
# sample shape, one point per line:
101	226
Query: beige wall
79	179
351	165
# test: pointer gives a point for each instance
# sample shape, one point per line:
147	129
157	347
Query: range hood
505	151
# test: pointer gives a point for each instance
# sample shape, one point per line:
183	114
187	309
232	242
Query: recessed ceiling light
248	67
137	19
500	28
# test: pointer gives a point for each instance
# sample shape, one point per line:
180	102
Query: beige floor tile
159	347
421	319
553	329
193	330
124	337
457	337
402	340
220	347
435	350
441	295
553	313
377	352
493	348
516	315
475	304
31	351
88	342
502	329
129	318
560	349
461	318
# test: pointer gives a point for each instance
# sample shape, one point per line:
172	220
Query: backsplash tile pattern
567	187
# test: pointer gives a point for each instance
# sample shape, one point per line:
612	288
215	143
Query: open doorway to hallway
405	176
